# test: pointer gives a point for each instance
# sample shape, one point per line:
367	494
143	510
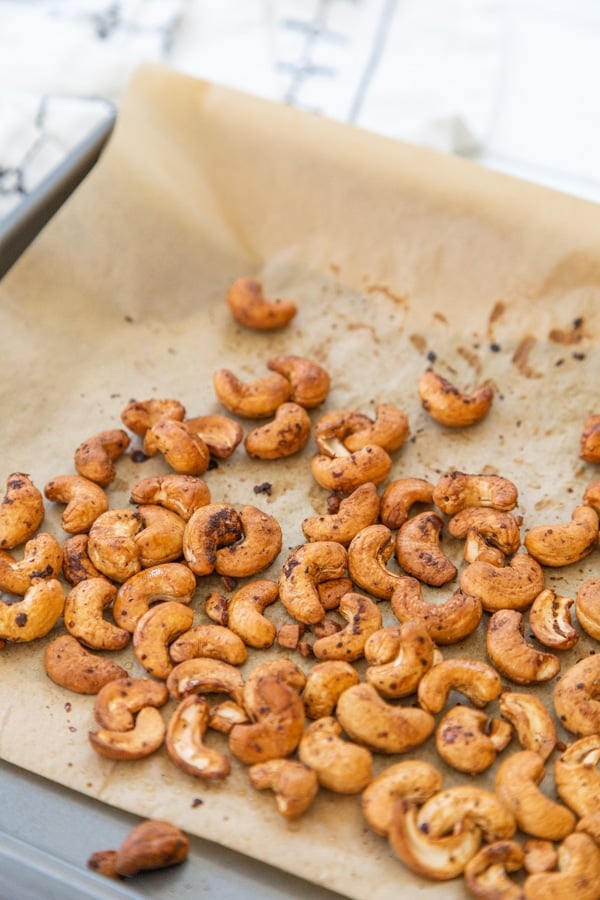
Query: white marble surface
512	84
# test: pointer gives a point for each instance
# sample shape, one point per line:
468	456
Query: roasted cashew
325	682
540	856
451	407
95	458
332	429
118	702
259	544
214	641
183	450
309	381
531	720
249	306
284	436
497	527
85	501
35	614
158	628
172	581
512	655
561	545
447	622
152	844
73	667
469	741
331	592
550	621
21	511
303	570
590	824
146	736
220	433
514	586
516	784
471	677
182	494
418	549
477	549
140	415
382	727
363	618
444	810
224	715
486	874
587	607
577	775
210	527
185	741
389	430
42	558
160	541
355	512
398	498
413	780
277	717
399	676
341	766
205	676
578	872
456	490
295	785
245	613
111	547
589	442
368	555
83	619
76	564
216	608
577	697
257	399
346	473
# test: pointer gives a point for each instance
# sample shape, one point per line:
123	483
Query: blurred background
511	84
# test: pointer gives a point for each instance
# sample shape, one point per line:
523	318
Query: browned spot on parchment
520	357
496	314
419	342
440	317
573	334
471	357
400	299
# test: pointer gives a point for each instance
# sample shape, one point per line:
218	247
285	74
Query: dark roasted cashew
209	528
21	511
345	473
355	512
531	720
42	558
469	741
85	501
303	570
497	527
341	766
564	544
259	544
185	741
183	450
172	581
514	586
413	780
285	435
140	415
73	667
35	614
76	564
95	457
249	306
512	655
83	619
152	844
221	434
577	697
245	613
550	620
182	494
451	407
257	399
418	549
158	628
457	490
447	622
309	381
471	677
398	498
295	785
516	784
363	618
400	675
368	556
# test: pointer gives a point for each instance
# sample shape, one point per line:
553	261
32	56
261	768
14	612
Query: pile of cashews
301	731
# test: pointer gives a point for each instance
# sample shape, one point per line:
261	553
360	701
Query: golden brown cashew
205	676
444	810
331	592
245	613
303	570
355	512
284	436
399	675
112	548
158	628
497	527
447	622
36	614
210	527
257	399
418	549
172	581
589	442
282	669
85	501
469	741
249	306
389	429
451	407
182	494
160	541
413	780
333	428
341	766
512	655
21	511
457	490
73	667
309	381
514	586
471	677
95	458
259	544
325	682
476	548
183	449
540	856
76	564
368	555
516	784
398	498
346	473
140	415
224	715
146	736
363	618
591	495
83	619
277	721
587	607
577	775
119	701
295	785
578	872
220	433
577	697
550	620
214	641
382	727
486	874
42	558
561	545
185	741
531	720
590	824
152	844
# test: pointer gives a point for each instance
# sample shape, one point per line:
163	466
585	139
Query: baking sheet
396	257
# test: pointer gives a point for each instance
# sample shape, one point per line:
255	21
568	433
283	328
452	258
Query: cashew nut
398	498
447	622
382	727
590	439
205	676
209	528
587	607
486	874
277	721
531	720
550	621
457	490
451	407
469	741
250	307
140	415
414	651
578	872
185	741
389	429
325	682
591	825
220	433
36	614
577	775
345	473
257	399
119	701
561	545
303	570
514	586
368	555
540	856
471	677
363	618
172	581
152	844
413	780
444	810
73	667
85	501
224	715
111	547
83	619
95	457
309	381
183	449
333	428
42	558
516	784
182	494
21	511
161	539
497	527
158	628
282	669
76	564
146	736
260	542
577	697
357	511
284	436
341	766
245	613
418	549
295	785
214	641
512	655
331	592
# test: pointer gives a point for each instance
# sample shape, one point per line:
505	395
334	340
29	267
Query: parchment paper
397	258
